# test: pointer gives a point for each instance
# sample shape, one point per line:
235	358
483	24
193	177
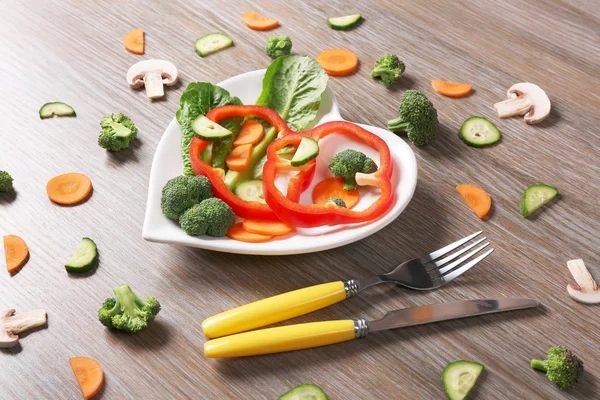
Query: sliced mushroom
586	290
525	99
152	74
11	325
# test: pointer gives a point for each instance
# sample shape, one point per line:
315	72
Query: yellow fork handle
274	309
280	339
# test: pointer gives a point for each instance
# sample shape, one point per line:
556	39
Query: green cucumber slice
250	190
209	130
459	377
308	391
535	197
307	150
57	108
85	257
344	23
212	43
479	132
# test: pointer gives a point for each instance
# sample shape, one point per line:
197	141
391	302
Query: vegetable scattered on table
182	192
278	46
85	257
347	163
418	118
563	367
479	132
69	189
118	131
586	290
333	188
6	182
338	62
307	391
389	68
127	312
134	41
344	23
459	377
451	89
152	74
259	22
56	108
11	325
212	43
525	99
212	217
237	232
535	197
476	198
267	228
89	375
16	253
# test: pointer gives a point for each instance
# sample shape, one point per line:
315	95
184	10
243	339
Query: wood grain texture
72	51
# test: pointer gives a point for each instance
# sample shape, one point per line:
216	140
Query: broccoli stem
397	124
539	365
349	183
127	300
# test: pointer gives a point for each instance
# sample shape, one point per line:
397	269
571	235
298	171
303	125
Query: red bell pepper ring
308	216
242	208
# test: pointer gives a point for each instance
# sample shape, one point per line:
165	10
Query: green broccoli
418	118
212	217
182	192
6	182
563	368
389	68
347	163
118	131
278	46
127	312
336	201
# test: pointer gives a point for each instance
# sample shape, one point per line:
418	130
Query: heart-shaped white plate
167	164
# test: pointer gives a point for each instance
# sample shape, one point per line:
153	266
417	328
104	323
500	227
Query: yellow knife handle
274	309
280	339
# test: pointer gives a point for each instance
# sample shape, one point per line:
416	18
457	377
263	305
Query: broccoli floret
389	68
347	163
336	201
418	118
6	182
182	192
212	217
278	46
118	131
563	368
127	312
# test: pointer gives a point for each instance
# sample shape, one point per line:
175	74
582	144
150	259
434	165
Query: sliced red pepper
287	207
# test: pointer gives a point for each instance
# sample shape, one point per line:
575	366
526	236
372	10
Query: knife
315	334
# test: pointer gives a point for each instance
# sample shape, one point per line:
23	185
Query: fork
426	273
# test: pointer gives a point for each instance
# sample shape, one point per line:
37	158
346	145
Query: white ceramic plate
167	164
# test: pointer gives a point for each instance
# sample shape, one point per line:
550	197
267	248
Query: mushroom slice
525	99
152	74
586	290
11	324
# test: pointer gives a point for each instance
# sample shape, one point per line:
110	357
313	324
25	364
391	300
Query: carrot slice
267	228
134	41
16	253
259	22
334	187
252	132
237	232
239	158
451	89
479	201
338	62
89	375
69	189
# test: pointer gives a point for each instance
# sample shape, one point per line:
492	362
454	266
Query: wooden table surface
72	51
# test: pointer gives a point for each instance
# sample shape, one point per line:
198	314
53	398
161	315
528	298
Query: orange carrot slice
69	189
334	187
338	62
237	232
134	41
16	253
239	158
259	22
252	132
89	375
267	228
451	89
479	201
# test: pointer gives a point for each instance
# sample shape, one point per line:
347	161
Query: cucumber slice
308	391
344	23
535	197
57	108
307	150
479	132
209	130
459	377
85	257
212	43
251	190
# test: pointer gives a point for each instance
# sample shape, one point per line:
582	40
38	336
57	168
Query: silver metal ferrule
360	328
351	288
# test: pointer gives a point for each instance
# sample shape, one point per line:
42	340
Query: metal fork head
441	266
